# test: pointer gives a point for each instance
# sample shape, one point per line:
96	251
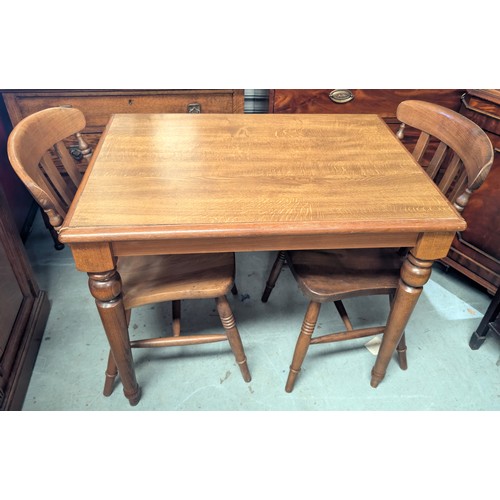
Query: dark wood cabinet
476	251
24	309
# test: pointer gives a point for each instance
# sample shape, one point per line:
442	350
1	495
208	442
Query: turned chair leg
112	370
233	336
303	343
401	348
111	373
273	276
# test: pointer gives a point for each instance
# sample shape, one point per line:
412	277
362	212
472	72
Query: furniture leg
479	336
414	274
111	373
233	336
111	369
106	289
273	276
53	233
401	348
303	342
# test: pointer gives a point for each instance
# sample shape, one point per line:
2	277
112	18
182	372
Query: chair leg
401	348
111	373
176	318
53	233
343	314
112	370
234	290
303	343
233	336
273	276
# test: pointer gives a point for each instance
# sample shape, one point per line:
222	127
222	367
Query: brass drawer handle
341	96
194	108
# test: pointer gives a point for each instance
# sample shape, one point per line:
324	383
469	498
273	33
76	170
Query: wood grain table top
157	175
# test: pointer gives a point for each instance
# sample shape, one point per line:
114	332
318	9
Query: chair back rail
463	156
28	149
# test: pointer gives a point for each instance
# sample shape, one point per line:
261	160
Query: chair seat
338	274
157	278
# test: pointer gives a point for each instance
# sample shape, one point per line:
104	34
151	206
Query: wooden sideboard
475	252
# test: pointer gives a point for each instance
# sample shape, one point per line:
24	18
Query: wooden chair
145	280
457	155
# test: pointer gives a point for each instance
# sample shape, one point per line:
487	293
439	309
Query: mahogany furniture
145	279
24	310
490	321
181	184
459	165
98	106
474	252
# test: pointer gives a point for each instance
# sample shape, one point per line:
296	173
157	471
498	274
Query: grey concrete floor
443	373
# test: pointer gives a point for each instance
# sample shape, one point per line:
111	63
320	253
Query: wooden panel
11	299
22	317
381	101
98	106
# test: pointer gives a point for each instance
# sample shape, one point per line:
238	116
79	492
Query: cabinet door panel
11	299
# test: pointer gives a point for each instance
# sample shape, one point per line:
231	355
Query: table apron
263	243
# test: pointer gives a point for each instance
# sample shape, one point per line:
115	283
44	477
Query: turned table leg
106	289
414	274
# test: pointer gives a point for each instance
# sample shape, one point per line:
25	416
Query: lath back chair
145	280
459	165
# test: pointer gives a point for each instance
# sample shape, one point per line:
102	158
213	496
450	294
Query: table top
156	175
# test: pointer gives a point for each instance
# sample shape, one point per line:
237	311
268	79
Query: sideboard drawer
382	102
98	106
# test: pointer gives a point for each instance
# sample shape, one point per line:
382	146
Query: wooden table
168	183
